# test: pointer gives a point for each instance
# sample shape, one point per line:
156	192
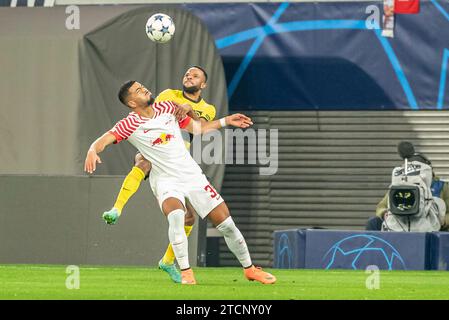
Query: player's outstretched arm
90	164
237	120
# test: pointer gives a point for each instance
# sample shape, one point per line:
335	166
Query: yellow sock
169	256
130	186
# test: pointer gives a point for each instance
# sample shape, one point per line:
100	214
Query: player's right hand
90	164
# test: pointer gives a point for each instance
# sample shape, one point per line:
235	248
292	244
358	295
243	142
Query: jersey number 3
212	191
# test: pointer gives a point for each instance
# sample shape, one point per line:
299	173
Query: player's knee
142	163
219	215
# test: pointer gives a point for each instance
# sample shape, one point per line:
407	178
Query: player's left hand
239	120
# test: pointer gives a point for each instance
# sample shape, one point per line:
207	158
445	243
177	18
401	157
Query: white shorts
200	193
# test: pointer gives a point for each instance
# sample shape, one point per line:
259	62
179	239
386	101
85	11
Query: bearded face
194	80
192	89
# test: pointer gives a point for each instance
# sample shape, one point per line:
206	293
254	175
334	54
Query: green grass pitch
49	282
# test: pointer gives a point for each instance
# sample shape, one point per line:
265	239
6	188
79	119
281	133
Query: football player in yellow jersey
194	81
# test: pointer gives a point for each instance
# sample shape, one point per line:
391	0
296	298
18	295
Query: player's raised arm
90	164
237	120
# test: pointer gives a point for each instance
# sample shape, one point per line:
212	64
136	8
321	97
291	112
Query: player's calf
178	237
236	243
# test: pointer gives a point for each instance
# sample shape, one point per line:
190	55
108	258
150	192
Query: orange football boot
255	273
187	277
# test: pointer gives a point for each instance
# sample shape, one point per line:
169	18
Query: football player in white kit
154	130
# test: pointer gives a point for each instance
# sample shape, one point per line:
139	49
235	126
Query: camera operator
438	187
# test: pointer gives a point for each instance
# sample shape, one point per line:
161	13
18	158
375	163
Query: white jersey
160	141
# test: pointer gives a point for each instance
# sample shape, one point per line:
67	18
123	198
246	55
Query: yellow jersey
202	108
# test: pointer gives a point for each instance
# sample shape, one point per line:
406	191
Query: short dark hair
124	91
204	71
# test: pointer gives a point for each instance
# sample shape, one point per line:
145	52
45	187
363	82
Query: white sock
235	241
178	238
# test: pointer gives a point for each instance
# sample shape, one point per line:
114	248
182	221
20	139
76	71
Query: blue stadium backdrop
334	249
322	56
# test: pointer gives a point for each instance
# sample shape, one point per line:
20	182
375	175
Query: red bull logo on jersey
163	139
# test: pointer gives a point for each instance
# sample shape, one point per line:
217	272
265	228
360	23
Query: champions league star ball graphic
160	28
361	251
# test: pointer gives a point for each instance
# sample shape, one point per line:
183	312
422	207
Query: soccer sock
129	187
235	241
178	237
169	256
